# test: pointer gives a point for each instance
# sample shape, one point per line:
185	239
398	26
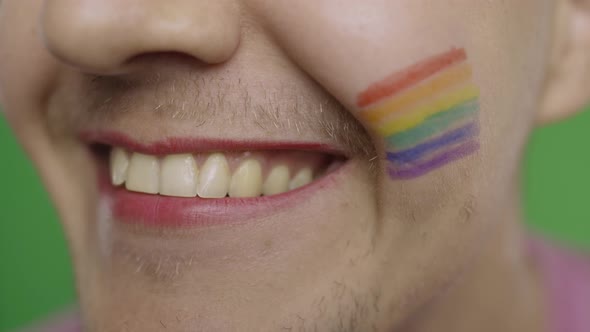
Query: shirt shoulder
566	274
66	321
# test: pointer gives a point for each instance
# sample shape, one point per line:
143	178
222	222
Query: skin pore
444	251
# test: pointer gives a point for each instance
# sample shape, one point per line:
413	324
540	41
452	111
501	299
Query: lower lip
163	211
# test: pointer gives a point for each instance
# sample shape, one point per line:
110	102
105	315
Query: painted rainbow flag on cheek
428	114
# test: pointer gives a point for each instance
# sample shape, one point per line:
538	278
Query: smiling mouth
186	182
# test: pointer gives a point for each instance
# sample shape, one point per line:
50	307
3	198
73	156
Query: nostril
157	60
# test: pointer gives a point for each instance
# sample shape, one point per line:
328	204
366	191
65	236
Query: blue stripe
417	152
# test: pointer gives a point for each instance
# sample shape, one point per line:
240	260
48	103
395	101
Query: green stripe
433	125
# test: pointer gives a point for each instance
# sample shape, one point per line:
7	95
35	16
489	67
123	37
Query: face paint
428	114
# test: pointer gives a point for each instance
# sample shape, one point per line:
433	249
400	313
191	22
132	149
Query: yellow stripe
421	113
443	81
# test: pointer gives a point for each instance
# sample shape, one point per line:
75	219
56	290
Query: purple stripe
452	137
457	153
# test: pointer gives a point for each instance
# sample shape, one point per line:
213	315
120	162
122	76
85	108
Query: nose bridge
101	36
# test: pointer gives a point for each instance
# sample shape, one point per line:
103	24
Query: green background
35	275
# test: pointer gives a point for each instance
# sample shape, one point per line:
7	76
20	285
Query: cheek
346	47
27	77
355	50
27	70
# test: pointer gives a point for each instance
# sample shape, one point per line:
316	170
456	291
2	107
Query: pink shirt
566	277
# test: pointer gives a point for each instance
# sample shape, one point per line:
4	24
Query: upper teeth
213	181
179	175
277	181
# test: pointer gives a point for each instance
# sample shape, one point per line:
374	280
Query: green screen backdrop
35	274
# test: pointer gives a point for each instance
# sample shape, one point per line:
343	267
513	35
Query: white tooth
142	175
303	177
214	177
119	164
277	181
246	180
178	176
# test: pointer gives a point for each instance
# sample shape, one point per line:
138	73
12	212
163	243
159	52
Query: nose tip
103	36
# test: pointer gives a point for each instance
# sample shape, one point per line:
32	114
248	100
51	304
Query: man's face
253	99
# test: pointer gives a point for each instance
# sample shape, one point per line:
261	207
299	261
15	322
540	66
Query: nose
104	36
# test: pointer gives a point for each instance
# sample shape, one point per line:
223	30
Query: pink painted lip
174	145
163	211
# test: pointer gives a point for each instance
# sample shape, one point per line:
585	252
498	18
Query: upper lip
173	145
177	107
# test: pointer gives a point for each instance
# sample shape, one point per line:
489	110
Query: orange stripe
403	79
431	88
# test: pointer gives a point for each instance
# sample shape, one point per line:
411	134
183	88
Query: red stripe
403	79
